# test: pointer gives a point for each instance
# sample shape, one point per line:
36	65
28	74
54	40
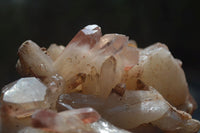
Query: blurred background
175	23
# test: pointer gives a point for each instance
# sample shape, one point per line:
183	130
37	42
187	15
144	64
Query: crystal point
89	35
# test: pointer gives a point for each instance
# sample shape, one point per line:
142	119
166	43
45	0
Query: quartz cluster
133	89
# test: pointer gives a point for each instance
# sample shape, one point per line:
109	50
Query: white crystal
25	90
90	29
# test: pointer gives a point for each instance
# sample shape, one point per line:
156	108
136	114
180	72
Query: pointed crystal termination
89	35
76	55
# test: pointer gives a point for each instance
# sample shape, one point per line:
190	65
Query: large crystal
19	100
25	90
23	96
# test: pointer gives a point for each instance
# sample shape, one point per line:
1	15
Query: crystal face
25	90
90	29
21	98
97	84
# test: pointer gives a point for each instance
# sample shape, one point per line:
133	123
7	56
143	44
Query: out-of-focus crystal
33	130
83	120
12	124
133	109
54	51
162	71
67	121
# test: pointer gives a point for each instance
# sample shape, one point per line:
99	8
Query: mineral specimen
140	90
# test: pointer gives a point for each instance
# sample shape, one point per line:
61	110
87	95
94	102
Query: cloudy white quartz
25	90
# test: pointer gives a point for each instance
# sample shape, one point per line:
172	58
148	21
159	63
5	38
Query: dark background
173	22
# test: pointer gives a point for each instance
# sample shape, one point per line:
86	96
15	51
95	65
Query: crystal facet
25	90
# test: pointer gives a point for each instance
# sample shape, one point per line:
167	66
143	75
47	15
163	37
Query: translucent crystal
103	126
162	71
104	82
133	109
55	84
83	120
67	121
25	90
89	35
111	43
19	100
33	61
54	51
